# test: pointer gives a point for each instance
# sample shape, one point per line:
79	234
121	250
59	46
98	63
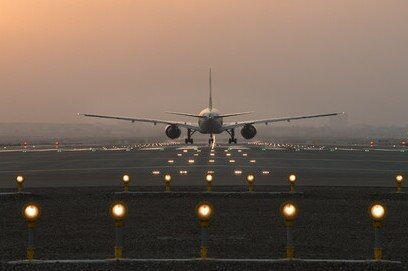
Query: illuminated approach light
399	178
31	212
118	211
292	178
167	177
289	211
377	212
204	211
20	179
126	178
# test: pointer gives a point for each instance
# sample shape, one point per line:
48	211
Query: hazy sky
141	58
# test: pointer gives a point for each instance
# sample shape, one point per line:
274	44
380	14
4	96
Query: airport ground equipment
399	180
377	212
204	212
126	182
292	181
250	181
118	211
31	213
20	182
289	211
209	178
167	182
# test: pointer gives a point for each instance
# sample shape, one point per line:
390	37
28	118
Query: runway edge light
209	178
250	181
31	213
289	212
204	212
118	211
20	181
292	182
399	180
377	211
167	182
126	182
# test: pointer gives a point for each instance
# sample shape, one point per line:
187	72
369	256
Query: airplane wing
154	121
266	121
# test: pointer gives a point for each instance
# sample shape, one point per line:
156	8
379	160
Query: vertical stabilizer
210	101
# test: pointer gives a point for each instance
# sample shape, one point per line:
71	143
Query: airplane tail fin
210	101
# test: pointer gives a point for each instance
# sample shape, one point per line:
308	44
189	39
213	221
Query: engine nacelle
248	131
173	131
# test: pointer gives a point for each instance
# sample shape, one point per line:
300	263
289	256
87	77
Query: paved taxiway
101	167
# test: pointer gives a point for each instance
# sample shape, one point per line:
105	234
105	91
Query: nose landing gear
211	140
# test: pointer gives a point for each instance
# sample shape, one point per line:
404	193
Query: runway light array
238	172
252	161
156	172
232	161
265	172
244	154
191	161
183	172
170	161
211	161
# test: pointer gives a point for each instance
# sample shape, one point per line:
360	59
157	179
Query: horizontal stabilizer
234	114
185	114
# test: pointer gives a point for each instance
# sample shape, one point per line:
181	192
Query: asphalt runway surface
101	167
76	188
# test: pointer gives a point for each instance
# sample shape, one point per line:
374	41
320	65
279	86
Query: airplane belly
210	126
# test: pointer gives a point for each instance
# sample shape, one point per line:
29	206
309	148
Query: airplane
211	121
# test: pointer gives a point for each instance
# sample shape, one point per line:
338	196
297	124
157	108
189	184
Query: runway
103	166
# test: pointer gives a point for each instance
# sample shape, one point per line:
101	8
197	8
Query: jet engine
248	131
173	131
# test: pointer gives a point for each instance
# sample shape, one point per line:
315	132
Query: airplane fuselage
210	122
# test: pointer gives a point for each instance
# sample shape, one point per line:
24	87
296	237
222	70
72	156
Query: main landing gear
189	134
232	134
